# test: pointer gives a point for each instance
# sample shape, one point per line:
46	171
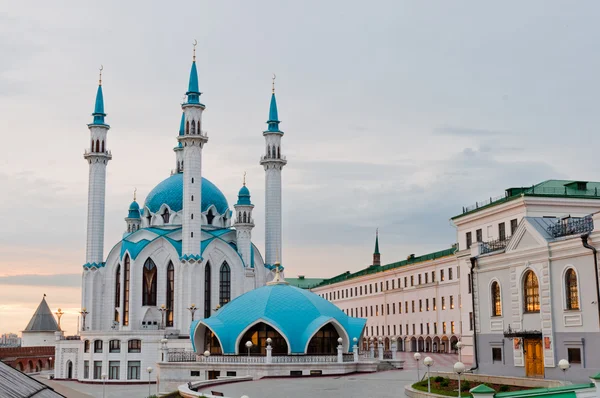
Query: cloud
58	280
468	132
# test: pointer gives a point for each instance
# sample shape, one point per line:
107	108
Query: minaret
179	148
376	255
133	219
273	161
97	157
244	223
192	141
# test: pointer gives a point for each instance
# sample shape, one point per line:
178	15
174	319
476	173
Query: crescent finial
100	78
195	44
273	83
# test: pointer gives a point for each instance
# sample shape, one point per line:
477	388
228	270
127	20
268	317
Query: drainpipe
473	262
584	240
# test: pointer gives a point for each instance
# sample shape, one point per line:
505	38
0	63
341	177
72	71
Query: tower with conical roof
376	255
133	219
273	162
192	141
41	328
97	157
244	224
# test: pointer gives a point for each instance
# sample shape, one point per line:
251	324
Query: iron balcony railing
571	226
189	356
493	245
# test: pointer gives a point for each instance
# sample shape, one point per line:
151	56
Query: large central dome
170	192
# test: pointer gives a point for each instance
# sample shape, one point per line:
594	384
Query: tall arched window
571	289
531	290
97	145
187	127
165	216
268	151
193	131
102	145
126	272
258	335
170	293
244	219
199	127
149	282
209	217
117	292
207	290
496	299
324	341
278	153
224	284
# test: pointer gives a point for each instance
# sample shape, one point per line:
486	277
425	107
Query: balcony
571	226
494	245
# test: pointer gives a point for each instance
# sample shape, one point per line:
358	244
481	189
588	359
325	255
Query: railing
483	203
571	226
189	356
181	356
493	245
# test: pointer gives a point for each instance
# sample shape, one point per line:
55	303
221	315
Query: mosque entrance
69	370
258	335
324	341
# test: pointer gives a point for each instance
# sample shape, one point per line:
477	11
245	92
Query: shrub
504	388
438	379
444	383
465	385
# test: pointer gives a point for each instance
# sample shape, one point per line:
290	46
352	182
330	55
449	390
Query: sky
396	115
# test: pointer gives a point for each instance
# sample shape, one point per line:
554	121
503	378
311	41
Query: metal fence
189	356
571	226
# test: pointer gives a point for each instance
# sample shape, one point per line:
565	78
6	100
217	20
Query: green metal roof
304	283
482	389
375	269
554	392
577	189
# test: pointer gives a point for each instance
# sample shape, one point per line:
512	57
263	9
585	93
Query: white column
340	355
355	352
394	348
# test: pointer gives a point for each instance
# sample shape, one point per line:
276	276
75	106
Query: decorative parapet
93	265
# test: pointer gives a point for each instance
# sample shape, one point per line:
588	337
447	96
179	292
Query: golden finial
134	193
195	44
273	83
244	178
100	78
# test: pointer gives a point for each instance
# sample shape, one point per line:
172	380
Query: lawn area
449	387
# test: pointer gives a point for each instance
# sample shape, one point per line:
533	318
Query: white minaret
273	162
244	224
97	157
179	148
192	141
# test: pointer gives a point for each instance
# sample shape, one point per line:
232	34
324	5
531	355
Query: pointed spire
182	125
273	121
376	241
99	105
42	320
193	93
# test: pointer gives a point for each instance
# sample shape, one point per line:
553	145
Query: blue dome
134	206
296	313
244	196
170	192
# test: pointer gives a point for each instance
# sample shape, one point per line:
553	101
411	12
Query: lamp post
417	357
149	370
459	368
50	363
459	346
428	361
192	308
564	365
103	385
59	313
83	313
162	309
248	346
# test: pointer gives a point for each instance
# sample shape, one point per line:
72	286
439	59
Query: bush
504	388
438	379
444	383
465	385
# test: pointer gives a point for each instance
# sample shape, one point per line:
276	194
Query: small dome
134	210
134	206
244	196
296	313
170	192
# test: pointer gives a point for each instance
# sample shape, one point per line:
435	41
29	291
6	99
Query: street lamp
459	346
417	357
192	308
564	365
50	363
248	346
149	370
428	361
59	313
103	385
459	368
162	309
83	313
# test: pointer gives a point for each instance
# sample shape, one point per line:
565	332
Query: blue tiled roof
273	121
297	313
99	108
170	192
134	210
193	93
244	196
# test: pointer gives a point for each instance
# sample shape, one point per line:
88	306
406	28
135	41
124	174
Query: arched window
269	151
193	131
170	293
149	282
571	289
324	341
278	153
240	217
496	299
273	152
86	346
199	127
149	218
102	145
117	292
258	335
224	284
165	216
128	227
209	217
97	145
211	343
126	272
187	127
244	217
531	290
207	290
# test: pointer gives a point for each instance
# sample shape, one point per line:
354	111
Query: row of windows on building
424	305
423	278
114	346
424	329
531	293
114	370
573	355
149	289
501	232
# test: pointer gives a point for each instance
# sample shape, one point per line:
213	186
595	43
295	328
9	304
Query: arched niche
324	341
258	335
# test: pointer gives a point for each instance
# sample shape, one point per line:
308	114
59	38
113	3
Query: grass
449	388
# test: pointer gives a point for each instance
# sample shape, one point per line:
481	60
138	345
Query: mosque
185	254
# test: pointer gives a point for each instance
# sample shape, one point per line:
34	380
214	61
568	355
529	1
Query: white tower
244	224
97	157
133	219
192	141
179	148
273	162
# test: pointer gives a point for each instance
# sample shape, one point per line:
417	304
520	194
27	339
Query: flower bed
444	386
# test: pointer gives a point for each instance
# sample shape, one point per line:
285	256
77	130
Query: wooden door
534	357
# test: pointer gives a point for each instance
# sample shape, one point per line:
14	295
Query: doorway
534	357
69	370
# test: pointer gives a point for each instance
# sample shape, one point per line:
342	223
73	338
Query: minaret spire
376	255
